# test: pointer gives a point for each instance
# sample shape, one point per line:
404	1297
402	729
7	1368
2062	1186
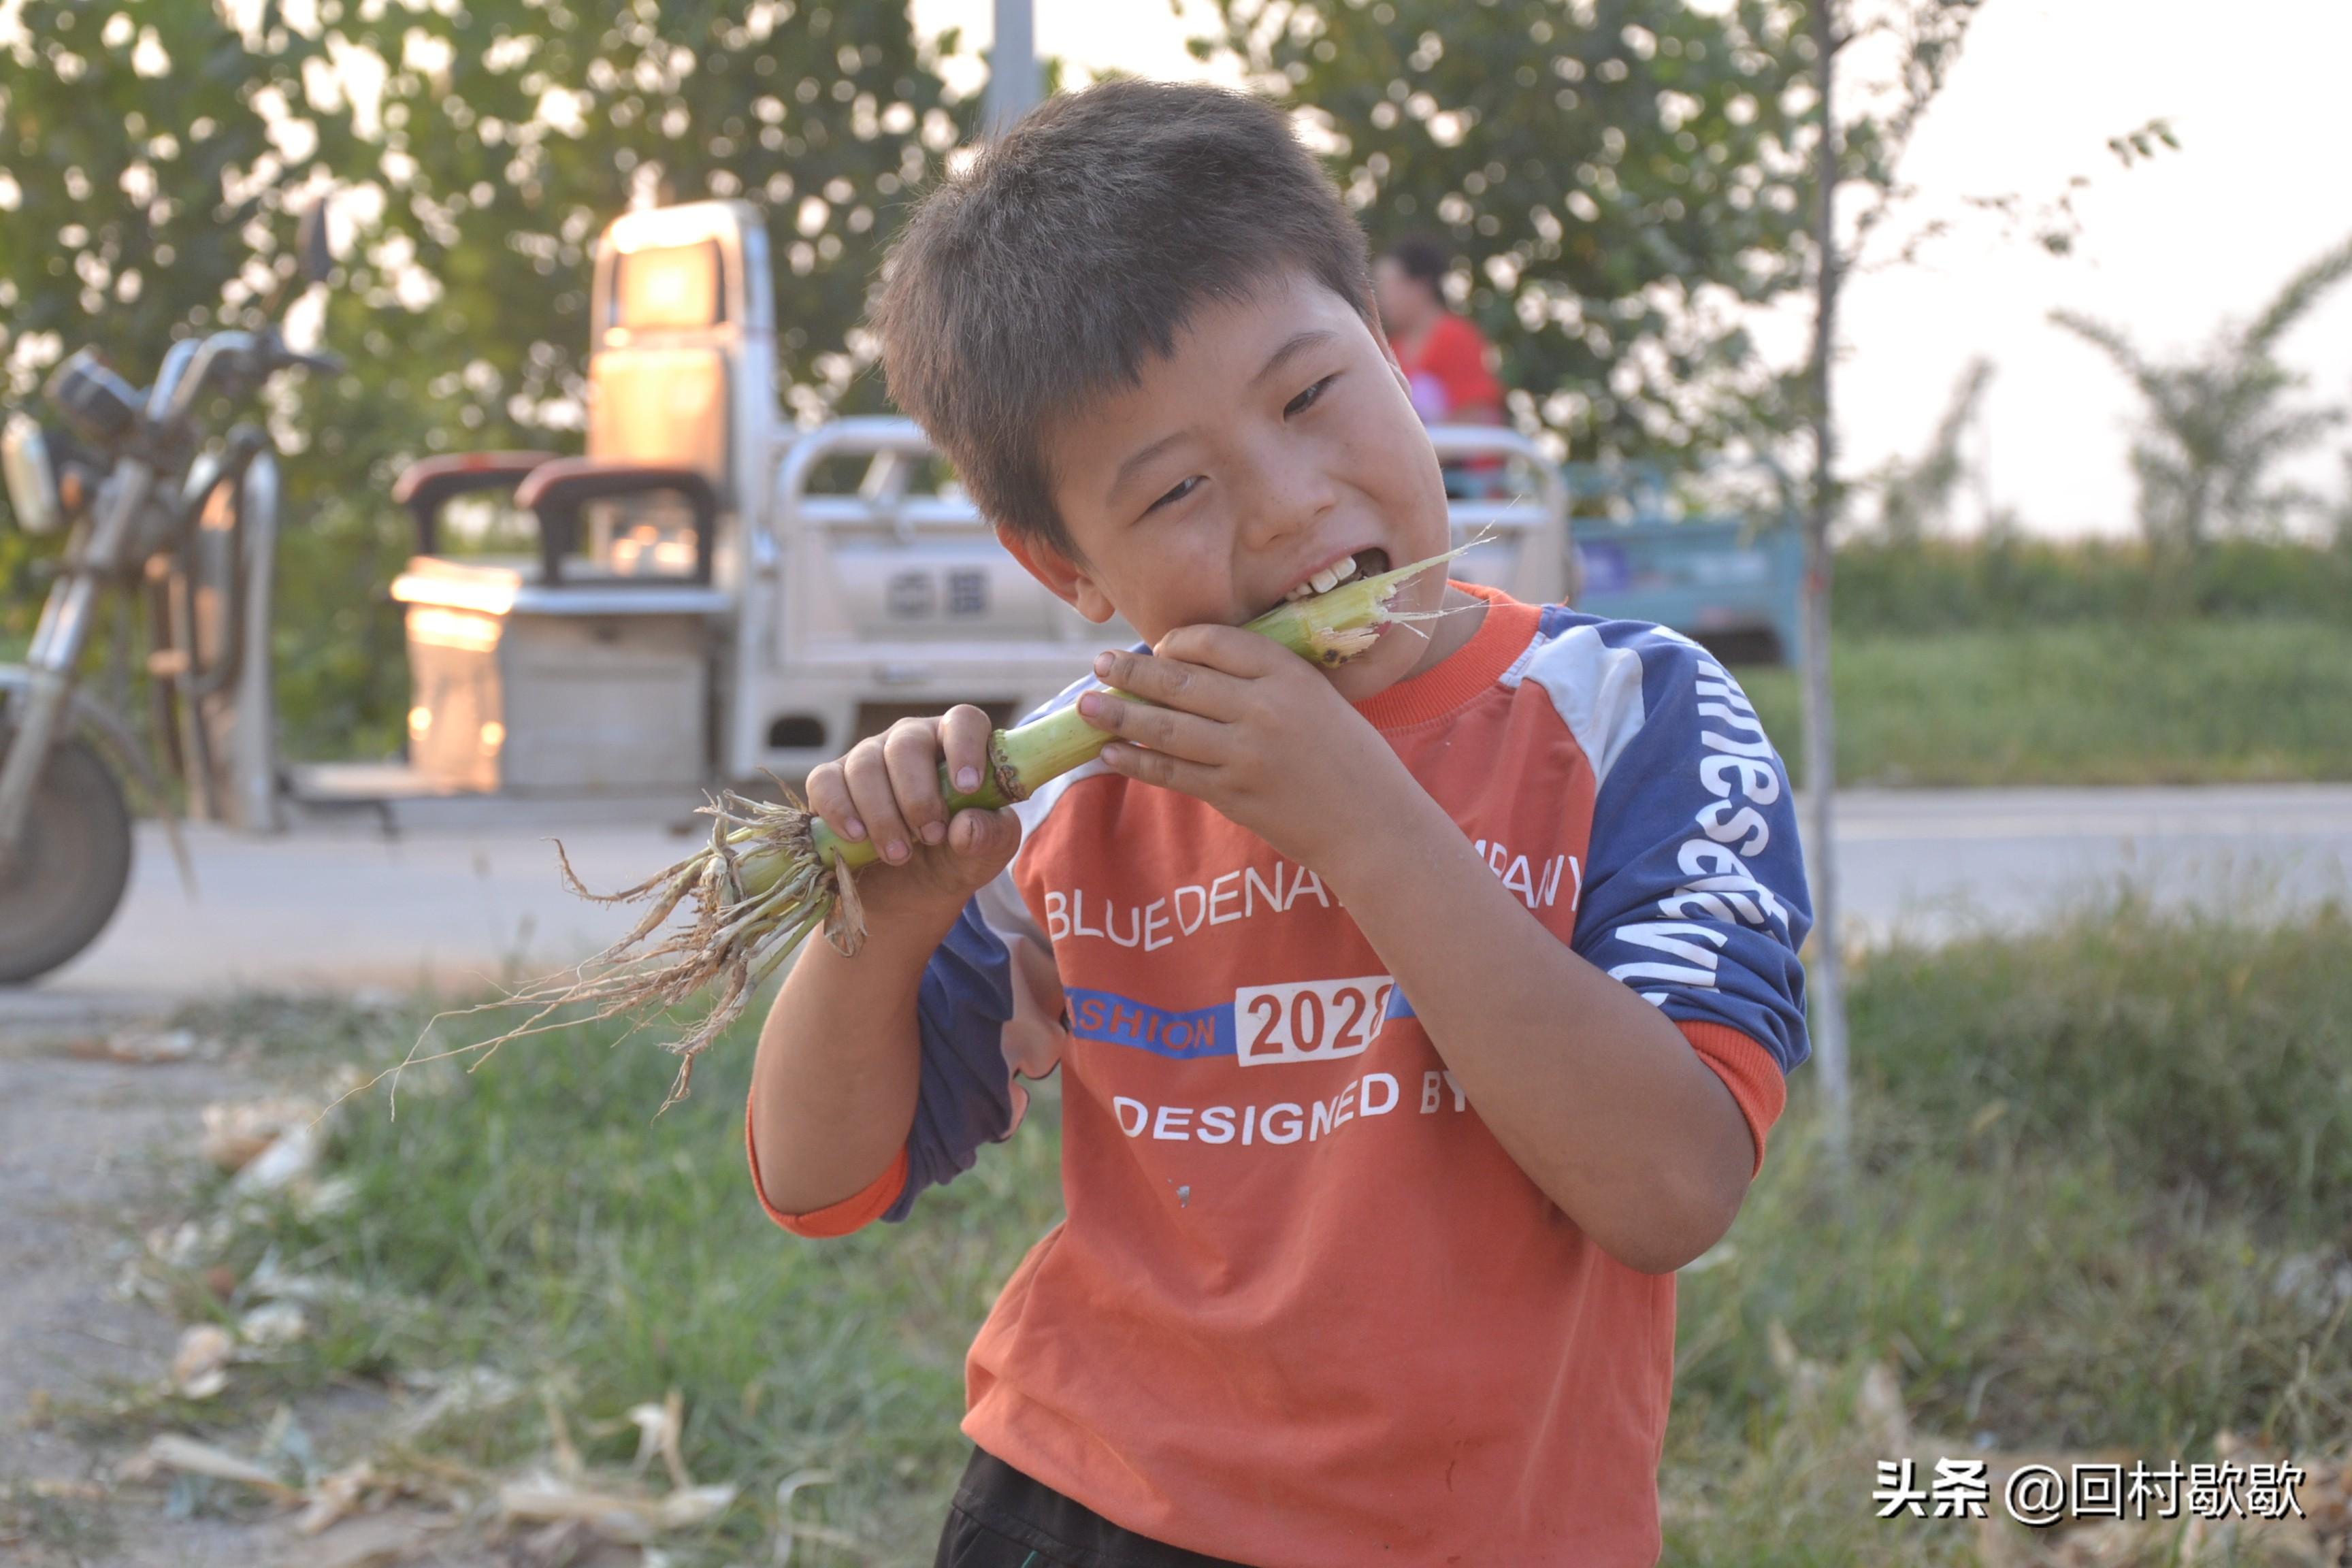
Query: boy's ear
1064	578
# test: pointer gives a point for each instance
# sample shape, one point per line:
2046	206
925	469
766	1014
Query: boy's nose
1288	499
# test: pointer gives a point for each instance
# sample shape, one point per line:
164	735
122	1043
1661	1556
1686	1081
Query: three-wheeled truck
711	594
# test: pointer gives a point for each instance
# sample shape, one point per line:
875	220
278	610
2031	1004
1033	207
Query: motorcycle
181	524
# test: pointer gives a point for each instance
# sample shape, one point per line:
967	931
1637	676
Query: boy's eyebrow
1138	458
1298	344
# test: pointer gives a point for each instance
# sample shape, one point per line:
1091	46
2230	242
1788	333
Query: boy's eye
1179	493
1307	398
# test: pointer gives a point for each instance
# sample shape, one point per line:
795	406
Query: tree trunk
1828	976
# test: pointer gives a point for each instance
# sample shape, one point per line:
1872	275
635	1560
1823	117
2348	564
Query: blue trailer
1731	583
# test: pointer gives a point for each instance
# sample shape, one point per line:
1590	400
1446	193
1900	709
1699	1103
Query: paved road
457	904
349	906
1931	863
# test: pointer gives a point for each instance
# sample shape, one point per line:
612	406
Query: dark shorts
1001	1519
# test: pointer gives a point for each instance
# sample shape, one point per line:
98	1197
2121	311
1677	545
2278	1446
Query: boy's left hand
1254	730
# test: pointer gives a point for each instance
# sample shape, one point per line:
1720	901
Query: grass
2106	1179
2023	1302
49	1527
1946	585
2105	1169
536	1216
2185	1049
2100	702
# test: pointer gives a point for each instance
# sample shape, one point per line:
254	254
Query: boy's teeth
1323	581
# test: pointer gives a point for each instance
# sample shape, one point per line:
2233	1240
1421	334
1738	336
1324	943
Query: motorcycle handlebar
238	355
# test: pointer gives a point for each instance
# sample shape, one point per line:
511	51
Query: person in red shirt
1443	355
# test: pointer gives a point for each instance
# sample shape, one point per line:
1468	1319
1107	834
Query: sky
2170	248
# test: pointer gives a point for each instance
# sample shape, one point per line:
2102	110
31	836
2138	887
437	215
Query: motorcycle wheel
73	868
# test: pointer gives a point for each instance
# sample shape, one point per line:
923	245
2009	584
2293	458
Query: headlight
32	477
99	406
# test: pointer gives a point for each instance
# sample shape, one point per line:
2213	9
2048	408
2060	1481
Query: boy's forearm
834	1085
1591	1091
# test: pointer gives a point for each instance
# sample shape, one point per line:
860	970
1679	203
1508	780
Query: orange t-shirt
1304	1310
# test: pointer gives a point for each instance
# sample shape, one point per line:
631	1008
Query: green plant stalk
1327	629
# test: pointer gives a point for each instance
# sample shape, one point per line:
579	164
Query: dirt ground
90	1149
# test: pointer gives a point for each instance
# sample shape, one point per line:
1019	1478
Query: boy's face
1277	442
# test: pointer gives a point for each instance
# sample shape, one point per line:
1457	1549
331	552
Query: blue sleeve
1695	892
966	1094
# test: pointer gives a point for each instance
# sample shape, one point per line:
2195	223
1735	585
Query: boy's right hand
888	789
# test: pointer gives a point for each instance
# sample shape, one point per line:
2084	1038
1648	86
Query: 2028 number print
1312	1021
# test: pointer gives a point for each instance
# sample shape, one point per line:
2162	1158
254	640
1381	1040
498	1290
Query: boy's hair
1078	243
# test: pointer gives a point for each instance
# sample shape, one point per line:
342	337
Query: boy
1418	1019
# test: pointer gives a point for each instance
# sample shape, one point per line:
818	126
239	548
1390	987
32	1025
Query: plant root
755	893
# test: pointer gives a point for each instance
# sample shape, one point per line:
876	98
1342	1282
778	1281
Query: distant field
2111	702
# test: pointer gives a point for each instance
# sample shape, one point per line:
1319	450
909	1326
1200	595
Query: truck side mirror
310	242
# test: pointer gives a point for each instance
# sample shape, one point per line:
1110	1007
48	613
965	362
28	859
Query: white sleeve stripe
1033	811
1004	913
1595	689
1067	695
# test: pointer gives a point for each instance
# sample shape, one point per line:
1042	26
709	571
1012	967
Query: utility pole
1828	968
1012	66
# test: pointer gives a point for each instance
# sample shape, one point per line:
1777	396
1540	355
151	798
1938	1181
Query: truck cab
712	593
